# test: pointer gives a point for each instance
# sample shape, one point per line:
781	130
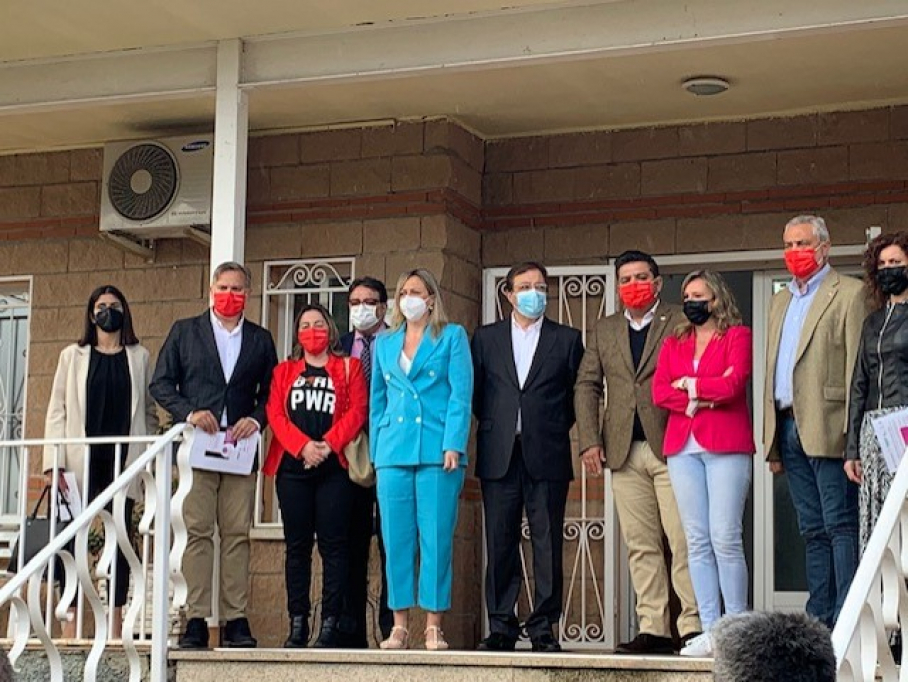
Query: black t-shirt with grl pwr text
310	406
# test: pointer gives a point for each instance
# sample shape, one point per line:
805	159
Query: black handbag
37	534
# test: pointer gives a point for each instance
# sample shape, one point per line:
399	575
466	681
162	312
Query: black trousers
504	501
364	524
316	503
101	475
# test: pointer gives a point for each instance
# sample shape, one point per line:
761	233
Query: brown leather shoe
645	643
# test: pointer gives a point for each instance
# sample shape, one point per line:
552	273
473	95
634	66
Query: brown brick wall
431	194
396	197
708	187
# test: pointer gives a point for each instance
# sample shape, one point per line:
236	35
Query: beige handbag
359	466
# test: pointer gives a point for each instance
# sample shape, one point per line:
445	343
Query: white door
780	579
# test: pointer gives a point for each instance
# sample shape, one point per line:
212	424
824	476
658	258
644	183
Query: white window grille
578	297
288	286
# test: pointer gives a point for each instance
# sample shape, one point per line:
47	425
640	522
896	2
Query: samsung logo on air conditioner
195	146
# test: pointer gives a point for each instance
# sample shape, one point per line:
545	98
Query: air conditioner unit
157	189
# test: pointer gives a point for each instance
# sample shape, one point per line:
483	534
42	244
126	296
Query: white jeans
711	491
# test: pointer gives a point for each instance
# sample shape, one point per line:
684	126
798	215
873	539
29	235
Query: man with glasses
524	372
368	303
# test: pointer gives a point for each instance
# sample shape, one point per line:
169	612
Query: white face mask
363	316
412	307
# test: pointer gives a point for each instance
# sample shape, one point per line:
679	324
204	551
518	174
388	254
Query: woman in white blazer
101	389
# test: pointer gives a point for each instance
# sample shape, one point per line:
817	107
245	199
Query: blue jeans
827	506
711	491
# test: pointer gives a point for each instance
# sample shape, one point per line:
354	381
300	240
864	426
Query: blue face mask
531	303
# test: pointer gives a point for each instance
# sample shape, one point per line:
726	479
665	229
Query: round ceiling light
705	86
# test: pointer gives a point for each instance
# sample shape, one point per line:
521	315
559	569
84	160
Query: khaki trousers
647	508
228	500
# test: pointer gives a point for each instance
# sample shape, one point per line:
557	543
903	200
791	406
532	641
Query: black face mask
892	281
697	312
109	319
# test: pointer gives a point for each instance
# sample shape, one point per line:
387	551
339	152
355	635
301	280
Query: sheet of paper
891	430
220	452
72	497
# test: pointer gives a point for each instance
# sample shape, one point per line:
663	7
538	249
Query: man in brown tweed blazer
812	345
623	350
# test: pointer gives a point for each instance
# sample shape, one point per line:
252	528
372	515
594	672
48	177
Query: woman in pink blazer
701	379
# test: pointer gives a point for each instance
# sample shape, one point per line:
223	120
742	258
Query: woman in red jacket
701	379
317	405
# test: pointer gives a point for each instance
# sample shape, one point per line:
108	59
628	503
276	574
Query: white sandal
398	639
435	639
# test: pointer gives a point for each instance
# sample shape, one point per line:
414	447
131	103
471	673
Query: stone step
32	665
327	665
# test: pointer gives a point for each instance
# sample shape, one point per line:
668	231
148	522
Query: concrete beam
533	35
107	78
461	42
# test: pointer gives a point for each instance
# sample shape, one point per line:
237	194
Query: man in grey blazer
214	372
812	345
628	440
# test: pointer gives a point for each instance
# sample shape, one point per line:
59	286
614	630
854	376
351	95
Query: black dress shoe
645	643
497	642
545	644
684	639
237	635
299	633
330	635
195	635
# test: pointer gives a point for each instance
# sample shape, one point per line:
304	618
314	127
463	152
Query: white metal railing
877	603
163	540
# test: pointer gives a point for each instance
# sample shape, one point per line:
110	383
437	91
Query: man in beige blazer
814	333
623	350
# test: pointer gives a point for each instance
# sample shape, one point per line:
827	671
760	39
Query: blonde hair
725	310
437	317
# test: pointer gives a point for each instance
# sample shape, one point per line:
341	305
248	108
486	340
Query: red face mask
801	263
637	295
314	340
228	303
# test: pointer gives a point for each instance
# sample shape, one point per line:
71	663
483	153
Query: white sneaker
700	646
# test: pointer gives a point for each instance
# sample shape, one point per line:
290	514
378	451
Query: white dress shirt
647	318
229	343
523	343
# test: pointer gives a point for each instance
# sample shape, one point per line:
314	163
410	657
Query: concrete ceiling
783	76
856	65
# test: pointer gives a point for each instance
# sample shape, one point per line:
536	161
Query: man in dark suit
368	303
524	368
214	372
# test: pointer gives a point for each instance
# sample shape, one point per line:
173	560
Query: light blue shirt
791	336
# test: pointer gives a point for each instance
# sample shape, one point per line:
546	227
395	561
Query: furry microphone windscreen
772	647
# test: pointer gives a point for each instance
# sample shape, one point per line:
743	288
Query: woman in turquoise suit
419	416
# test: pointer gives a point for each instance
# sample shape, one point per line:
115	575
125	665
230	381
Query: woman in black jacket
880	381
